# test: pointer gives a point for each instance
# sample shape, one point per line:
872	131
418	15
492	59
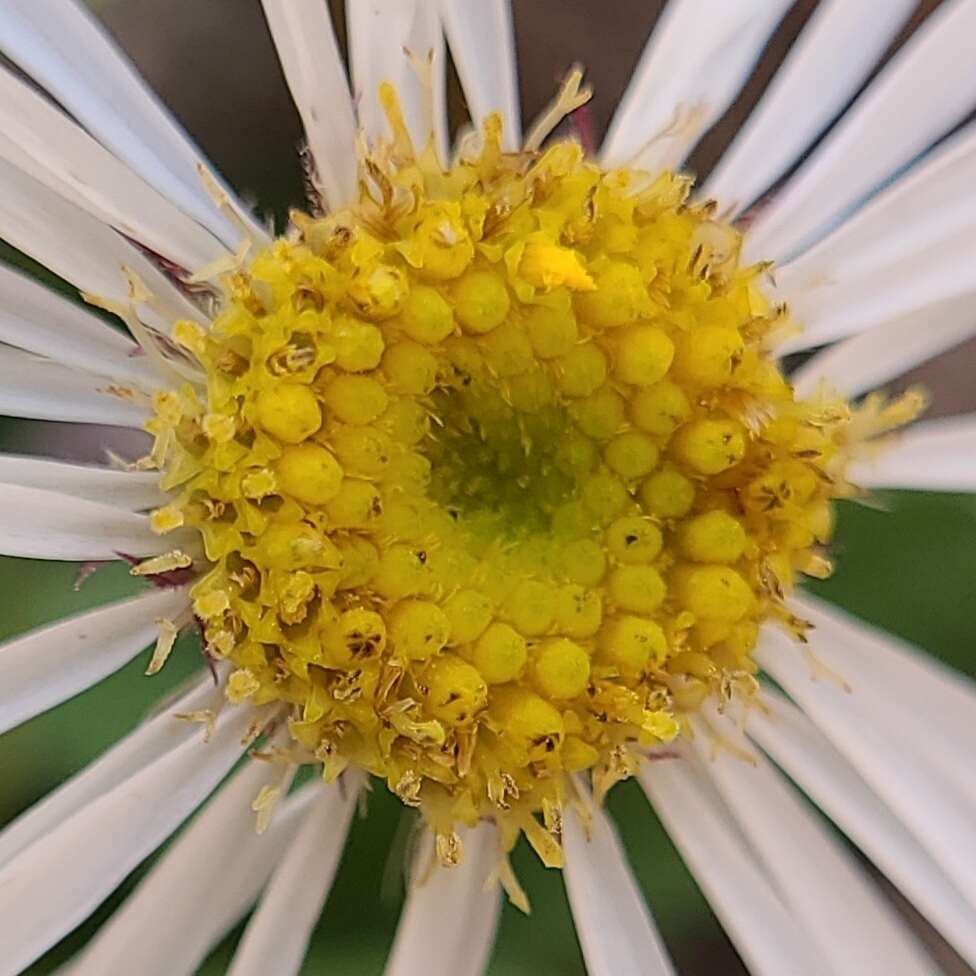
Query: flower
484	479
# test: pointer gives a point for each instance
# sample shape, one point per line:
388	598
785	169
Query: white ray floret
829	895
309	55
38	389
132	490
482	43
81	249
616	931
933	808
810	88
692	67
44	142
61	45
449	919
207	879
40	524
57	882
277	936
50	665
400	42
870	359
39	320
934	455
794	743
769	939
150	741
919	95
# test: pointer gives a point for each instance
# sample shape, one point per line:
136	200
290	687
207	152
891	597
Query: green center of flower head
495	477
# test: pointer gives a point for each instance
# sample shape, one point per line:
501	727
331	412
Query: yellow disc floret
494	477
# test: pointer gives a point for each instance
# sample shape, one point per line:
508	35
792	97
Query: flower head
485	479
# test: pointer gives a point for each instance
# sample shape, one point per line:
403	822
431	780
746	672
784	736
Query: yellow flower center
495	478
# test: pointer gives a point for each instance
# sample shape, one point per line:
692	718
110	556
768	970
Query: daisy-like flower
483	484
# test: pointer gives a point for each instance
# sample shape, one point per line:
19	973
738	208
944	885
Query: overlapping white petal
934	455
41	524
824	774
309	55
39	320
62	46
277	936
81	249
854	927
692	68
482	43
46	890
933	807
206	881
151	740
769	938
44	142
449	920
39	389
616	931
47	666
919	95
870	359
132	490
391	41
808	90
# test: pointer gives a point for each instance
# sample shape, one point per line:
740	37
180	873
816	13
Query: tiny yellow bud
530	607
355	399
419	629
548	266
632	455
552	331
454	691
528	722
426	315
358	346
309	473
634	540
499	653
561	668
667	494
355	505
660	409
644	355
481	301
707	355
582	370
289	412
710	446
633	644
410	368
714	592
713	537
620	297
638	589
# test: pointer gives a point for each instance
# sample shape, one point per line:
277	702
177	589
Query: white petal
44	142
201	886
616	931
765	934
39	320
934	455
80	248
482	42
852	279
61	879
941	818
810	88
691	69
131	490
830	896
277	936
868	360
50	665
384	37
40	524
147	743
831	782
64	48
38	389
449	920
885	684
921	93
309	55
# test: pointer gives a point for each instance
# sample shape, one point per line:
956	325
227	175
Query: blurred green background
905	563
